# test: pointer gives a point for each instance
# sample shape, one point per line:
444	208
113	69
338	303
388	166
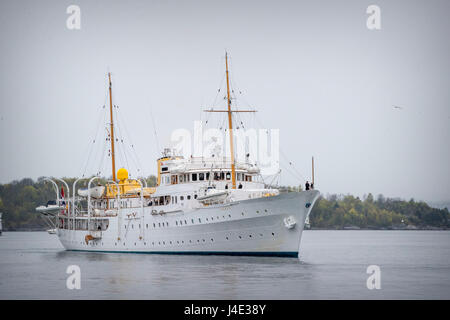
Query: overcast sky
372	106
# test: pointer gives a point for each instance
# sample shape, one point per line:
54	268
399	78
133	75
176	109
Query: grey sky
312	69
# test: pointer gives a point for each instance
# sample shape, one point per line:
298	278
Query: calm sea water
332	265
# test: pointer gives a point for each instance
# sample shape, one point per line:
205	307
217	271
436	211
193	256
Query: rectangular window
201	176
228	176
194	177
207	176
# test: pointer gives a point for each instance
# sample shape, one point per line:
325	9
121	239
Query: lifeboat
147	191
96	192
51	208
213	196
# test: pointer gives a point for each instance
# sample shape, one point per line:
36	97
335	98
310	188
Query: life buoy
88	238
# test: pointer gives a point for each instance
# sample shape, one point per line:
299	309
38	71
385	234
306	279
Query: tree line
19	199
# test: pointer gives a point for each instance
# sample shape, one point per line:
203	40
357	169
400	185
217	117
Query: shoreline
306	229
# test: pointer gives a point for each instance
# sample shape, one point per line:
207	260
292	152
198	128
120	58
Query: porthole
249	235
242	213
265	210
257	211
240	237
212	240
199	220
226	238
229	215
273	233
146	225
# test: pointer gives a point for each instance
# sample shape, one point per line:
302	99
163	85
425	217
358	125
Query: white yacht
199	206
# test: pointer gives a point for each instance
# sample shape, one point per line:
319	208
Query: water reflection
332	265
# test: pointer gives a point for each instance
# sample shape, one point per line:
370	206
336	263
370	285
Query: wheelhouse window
194	177
201	176
228	176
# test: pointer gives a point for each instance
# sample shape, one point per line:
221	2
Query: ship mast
230	127
230	123
111	136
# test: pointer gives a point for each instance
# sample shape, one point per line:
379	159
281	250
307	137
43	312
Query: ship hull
268	226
